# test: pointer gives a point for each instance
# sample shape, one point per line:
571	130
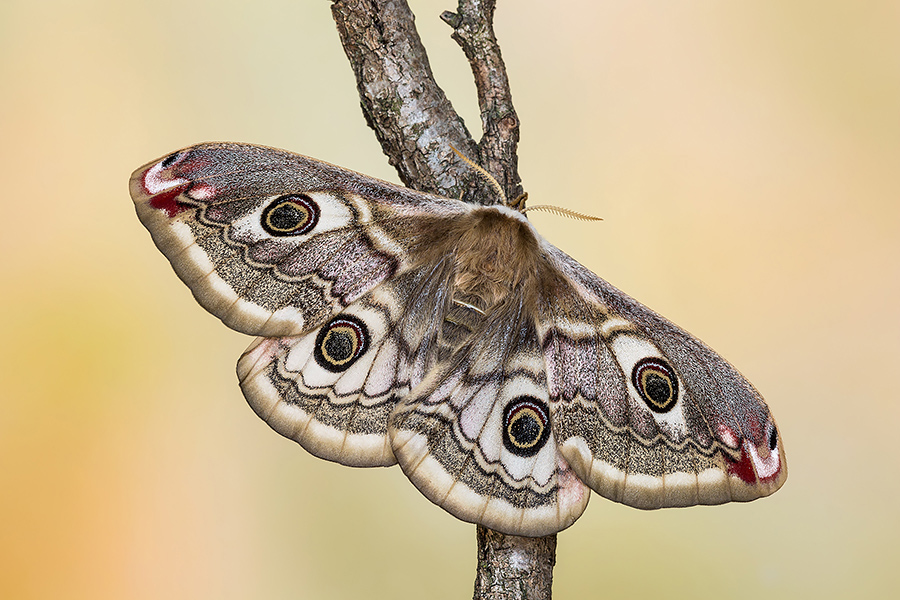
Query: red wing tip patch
753	466
168	202
163	189
756	463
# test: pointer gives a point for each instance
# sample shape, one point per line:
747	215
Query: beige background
745	158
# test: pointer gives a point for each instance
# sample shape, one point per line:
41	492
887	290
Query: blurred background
745	158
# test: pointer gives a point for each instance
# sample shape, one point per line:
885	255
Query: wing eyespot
526	425
292	214
656	383
340	343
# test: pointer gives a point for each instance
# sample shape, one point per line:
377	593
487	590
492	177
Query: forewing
274	243
645	413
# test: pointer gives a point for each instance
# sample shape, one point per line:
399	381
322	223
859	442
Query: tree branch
416	125
402	103
514	568
473	30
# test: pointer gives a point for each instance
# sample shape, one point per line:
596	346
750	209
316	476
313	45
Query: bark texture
473	30
512	567
417	125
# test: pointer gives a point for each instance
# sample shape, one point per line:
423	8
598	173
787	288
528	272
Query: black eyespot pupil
773	438
338	345
526	426
287	216
657	388
525	430
294	214
656	383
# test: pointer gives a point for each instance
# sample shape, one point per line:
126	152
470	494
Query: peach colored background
745	158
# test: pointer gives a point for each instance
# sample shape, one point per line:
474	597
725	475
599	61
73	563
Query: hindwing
475	435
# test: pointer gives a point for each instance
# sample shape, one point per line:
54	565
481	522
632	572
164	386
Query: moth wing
645	413
474	436
274	243
333	389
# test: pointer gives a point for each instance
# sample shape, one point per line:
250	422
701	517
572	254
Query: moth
506	379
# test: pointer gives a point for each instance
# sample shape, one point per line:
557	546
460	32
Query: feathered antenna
565	212
519	203
481	171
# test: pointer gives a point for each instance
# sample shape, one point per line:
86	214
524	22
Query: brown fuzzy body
494	254
490	259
